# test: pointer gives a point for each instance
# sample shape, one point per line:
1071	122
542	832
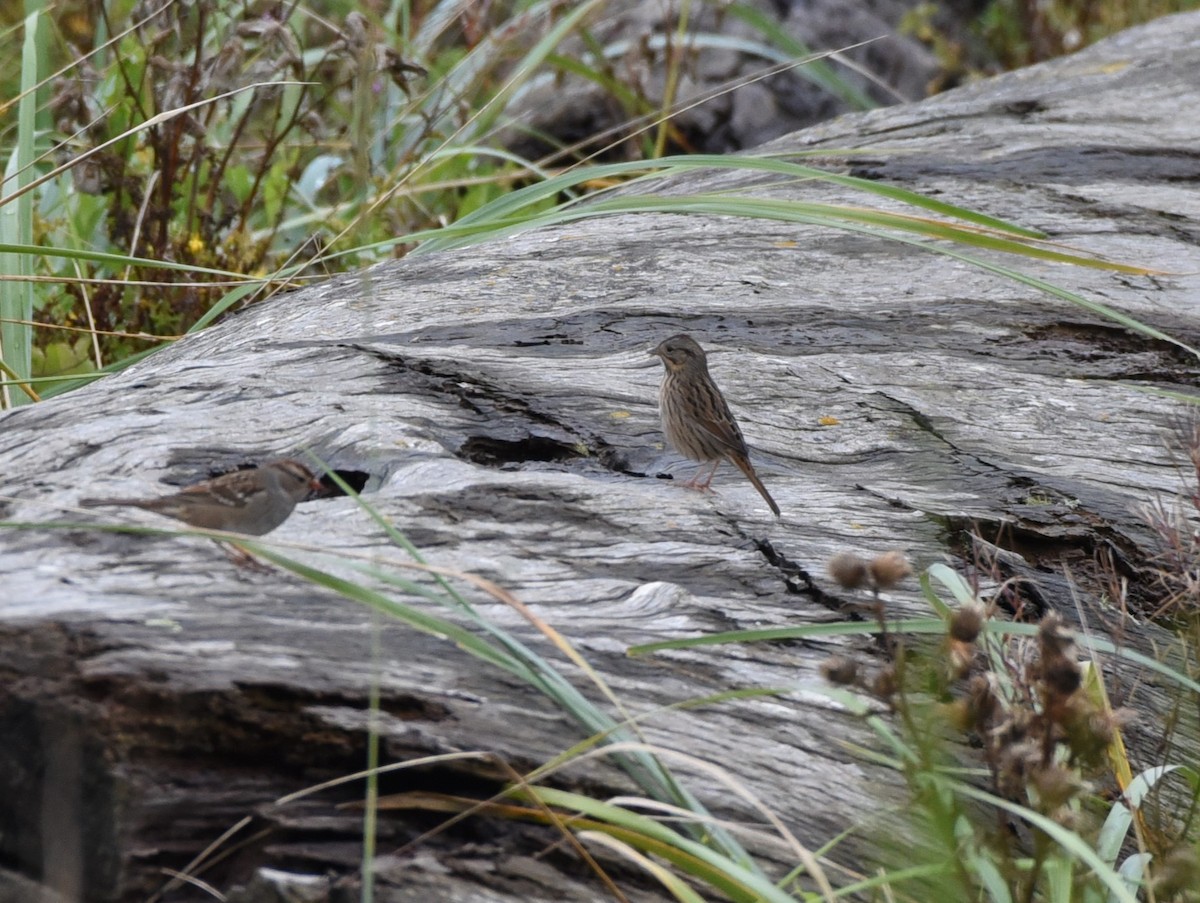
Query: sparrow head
681	352
295	478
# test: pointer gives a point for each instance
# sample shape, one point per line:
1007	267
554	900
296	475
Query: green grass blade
117	260
916	626
650	835
228	300
16	226
804	631
871	223
836	216
668	879
510	205
1068	841
438	627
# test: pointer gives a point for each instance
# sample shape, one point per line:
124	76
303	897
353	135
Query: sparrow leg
699	485
240	558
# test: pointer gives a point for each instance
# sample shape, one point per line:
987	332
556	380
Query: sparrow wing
715	418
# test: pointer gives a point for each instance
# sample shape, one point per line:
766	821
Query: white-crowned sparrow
253	501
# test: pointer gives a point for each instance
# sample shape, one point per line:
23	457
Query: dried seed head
1019	766
848	570
966	623
1055	638
1089	732
1060	677
959	659
1056	786
839	670
1059	671
1103	728
959	715
1019	760
885	685
982	703
888	569
1178	874
1069	818
1012	730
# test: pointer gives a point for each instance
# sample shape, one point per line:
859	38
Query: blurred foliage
221	136
1022	32
61	358
989	37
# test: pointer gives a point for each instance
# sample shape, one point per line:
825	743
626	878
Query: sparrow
253	502
695	417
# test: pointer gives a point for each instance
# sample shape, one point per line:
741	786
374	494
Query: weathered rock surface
502	402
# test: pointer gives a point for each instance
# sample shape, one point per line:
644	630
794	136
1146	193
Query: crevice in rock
796	580
1032	554
491	451
513	430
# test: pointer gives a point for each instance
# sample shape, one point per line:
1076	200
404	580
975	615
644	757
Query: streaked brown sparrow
253	502
696	418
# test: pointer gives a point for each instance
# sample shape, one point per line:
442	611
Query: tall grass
16	228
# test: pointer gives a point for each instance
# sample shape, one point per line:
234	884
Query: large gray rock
502	403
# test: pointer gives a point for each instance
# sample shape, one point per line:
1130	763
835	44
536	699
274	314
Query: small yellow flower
195	244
